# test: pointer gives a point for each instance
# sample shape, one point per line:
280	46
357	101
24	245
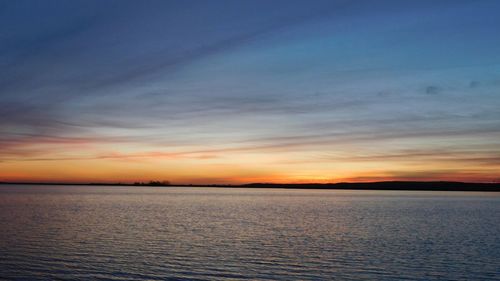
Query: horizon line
373	184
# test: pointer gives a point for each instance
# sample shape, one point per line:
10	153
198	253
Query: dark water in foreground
145	233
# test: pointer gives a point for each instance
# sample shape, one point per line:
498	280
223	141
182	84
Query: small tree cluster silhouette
153	183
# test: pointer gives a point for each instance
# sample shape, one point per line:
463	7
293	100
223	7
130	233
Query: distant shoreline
384	185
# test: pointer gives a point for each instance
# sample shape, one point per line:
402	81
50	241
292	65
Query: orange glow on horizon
92	161
100	171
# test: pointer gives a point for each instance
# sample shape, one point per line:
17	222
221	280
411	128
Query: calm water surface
175	233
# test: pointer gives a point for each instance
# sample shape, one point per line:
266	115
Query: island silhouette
381	185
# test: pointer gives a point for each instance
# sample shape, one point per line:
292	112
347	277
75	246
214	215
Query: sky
244	91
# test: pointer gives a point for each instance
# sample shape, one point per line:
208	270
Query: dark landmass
392	185
385	185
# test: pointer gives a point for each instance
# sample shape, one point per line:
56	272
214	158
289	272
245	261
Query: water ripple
120	233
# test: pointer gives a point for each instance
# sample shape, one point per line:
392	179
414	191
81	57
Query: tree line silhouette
153	183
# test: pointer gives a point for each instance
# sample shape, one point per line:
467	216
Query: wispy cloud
220	81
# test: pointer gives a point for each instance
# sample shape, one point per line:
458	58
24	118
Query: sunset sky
249	91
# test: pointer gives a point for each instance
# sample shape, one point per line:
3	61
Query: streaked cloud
291	90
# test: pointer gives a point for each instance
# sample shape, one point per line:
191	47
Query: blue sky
250	90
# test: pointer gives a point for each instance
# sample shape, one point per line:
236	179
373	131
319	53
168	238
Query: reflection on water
144	233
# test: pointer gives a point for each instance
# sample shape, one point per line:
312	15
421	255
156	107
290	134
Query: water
175	233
